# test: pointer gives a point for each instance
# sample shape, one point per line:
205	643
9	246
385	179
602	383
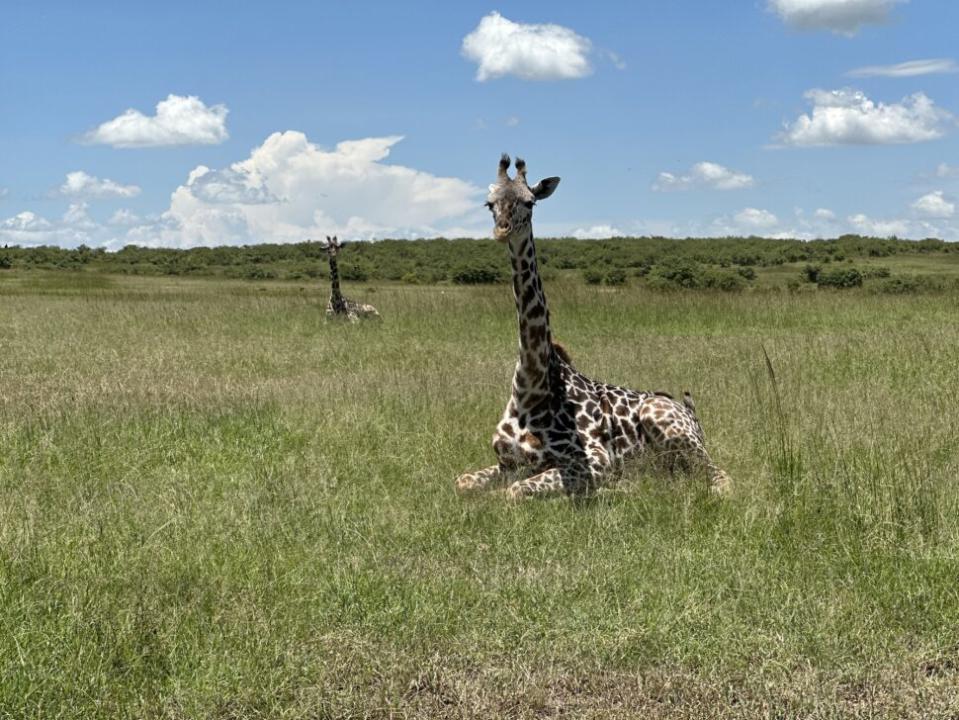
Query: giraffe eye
489	205
529	204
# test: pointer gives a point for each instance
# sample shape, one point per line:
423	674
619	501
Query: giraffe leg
545	484
480	479
719	481
569	480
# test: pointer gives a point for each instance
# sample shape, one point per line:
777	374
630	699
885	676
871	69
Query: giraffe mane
562	352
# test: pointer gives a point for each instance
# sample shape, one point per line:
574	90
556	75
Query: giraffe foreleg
542	485
719	481
480	479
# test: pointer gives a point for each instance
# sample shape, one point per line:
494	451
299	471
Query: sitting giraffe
339	306
563	433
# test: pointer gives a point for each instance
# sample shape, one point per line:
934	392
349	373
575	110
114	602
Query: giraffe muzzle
502	232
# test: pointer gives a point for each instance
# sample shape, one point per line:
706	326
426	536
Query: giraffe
340	306
561	432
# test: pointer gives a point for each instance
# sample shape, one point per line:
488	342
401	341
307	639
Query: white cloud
755	219
80	184
944	170
124	217
3	192
179	120
512	121
878	228
843	17
597	231
934	205
29	229
824	214
77	216
848	117
704	175
530	52
290	189
26	221
932	66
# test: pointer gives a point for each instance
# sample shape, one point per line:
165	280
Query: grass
213	504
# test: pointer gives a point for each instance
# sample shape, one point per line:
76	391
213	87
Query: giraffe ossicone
561	432
340	306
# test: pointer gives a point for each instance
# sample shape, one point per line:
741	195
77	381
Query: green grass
214	504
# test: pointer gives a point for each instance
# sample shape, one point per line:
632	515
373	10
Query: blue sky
286	120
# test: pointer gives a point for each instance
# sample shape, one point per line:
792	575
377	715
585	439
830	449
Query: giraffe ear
544	188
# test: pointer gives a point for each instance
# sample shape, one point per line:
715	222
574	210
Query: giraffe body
339	306
561	432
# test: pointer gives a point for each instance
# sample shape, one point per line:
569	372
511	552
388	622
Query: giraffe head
332	246
511	200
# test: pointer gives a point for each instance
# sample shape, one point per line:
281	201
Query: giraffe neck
531	378
336	297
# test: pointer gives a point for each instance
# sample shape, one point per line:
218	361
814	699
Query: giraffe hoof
721	485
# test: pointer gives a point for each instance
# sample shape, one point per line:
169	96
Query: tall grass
215	504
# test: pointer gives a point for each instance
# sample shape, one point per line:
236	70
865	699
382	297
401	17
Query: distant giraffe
340	306
562	432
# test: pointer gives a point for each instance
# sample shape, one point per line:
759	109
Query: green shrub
477	275
747	273
845	278
256	272
616	277
676	272
811	272
720	279
353	272
592	277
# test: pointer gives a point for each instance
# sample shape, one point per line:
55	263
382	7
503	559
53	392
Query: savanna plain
215	504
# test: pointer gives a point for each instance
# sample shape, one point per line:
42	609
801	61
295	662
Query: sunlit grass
215	504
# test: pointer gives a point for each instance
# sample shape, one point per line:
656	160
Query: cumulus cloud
81	184
843	17
866	225
933	66
178	120
530	52
934	205
124	217
704	175
29	229
848	117
26	221
755	219
824	214
290	189
597	231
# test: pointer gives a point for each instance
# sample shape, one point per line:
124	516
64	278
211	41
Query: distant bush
811	273
676	272
907	284
592	277
353	272
6	262
257	272
477	275
747	273
846	278
876	272
720	279
615	277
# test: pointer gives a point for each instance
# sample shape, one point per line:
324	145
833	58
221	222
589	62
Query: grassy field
215	505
